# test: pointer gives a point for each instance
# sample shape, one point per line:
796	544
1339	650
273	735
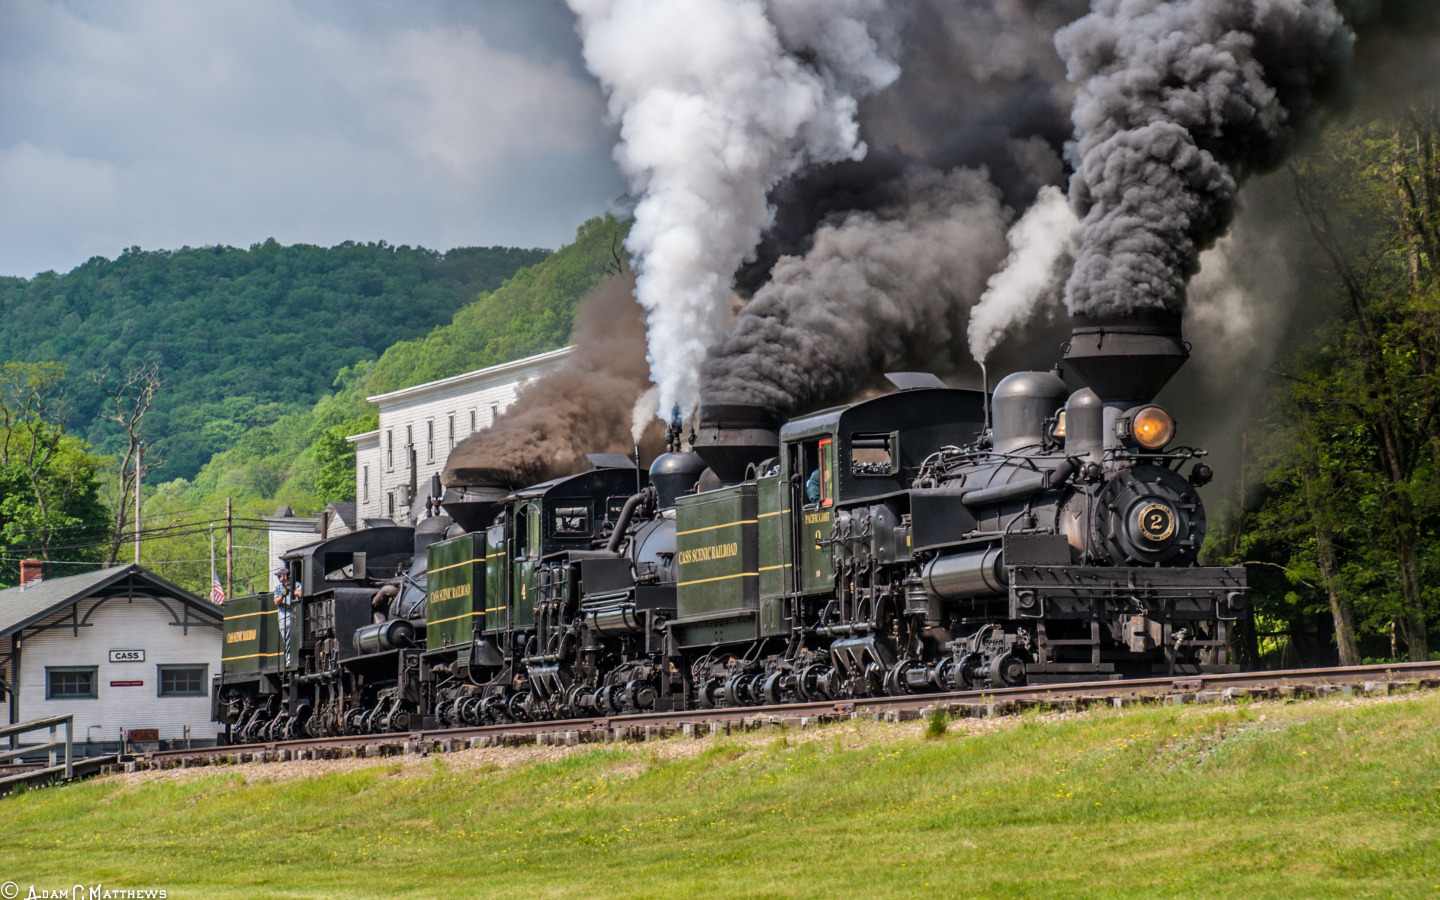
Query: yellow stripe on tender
263	612
713	527
773	568
453	618
778	512
251	656
468	562
496	555
719	578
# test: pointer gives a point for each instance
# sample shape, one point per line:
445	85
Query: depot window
182	681
71	683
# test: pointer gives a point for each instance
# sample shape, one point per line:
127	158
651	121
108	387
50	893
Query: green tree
335	458
1349	507
49	484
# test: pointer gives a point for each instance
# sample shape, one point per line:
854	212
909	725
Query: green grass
1317	799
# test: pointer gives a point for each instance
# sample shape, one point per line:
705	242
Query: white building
119	648
430	419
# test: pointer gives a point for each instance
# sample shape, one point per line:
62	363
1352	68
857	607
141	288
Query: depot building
124	651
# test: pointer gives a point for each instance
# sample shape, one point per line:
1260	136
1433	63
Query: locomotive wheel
895	683
779	688
755	690
578	700
1007	670
472	711
519	706
872	682
943	674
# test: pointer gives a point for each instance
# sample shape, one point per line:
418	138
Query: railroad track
1375	679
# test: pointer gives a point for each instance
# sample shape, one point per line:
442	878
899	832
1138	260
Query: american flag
217	590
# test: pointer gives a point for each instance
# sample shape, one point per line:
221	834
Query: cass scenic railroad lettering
236	637
705	554
450	593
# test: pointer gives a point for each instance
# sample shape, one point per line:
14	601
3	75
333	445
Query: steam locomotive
928	539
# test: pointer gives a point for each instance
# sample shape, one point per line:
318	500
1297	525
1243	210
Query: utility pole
229	550
139	470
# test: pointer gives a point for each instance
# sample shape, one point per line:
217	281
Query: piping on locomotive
891	546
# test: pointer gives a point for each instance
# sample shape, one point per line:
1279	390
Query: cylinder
974	573
391	634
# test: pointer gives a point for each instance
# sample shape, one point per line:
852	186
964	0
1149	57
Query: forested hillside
300	457
240	337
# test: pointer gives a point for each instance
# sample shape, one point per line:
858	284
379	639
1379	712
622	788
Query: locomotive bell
1127	358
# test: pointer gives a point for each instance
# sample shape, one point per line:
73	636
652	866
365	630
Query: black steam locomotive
929	539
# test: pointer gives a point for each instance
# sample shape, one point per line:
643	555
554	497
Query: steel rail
992	700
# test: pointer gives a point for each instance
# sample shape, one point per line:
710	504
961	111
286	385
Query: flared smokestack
733	436
1127	358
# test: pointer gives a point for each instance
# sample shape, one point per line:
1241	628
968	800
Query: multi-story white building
430	419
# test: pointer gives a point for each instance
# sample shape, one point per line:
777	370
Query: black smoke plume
876	291
1179	102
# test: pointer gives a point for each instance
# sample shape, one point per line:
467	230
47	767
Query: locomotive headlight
1149	427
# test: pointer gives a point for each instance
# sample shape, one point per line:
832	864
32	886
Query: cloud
161	123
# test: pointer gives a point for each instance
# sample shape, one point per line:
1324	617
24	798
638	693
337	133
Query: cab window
814	463
827	472
523	519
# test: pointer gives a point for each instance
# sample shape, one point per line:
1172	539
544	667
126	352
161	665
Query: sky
170	123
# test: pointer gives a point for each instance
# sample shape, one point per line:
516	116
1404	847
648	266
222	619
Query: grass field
1326	798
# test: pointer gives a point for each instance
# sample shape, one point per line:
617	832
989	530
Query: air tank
388	635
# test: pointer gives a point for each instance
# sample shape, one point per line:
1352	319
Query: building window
390	451
472	421
409	442
365	483
181	681
452	431
70	683
430	440
494	412
390	504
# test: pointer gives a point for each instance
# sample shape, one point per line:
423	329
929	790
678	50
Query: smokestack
30	571
1127	358
732	436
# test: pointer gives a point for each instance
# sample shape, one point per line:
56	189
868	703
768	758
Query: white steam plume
1039	243
717	101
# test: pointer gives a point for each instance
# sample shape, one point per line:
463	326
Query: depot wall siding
140	622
